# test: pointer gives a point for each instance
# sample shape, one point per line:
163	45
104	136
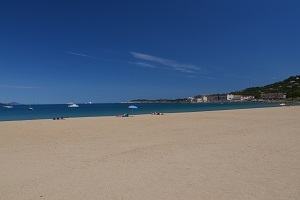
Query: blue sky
113	51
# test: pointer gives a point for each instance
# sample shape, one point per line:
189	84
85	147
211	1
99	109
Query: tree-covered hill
290	86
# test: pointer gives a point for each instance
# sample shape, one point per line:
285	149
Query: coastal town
287	90
220	98
235	98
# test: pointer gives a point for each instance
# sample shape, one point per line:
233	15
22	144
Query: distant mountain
11	103
14	103
290	86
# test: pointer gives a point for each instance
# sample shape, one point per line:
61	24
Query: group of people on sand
58	118
127	115
124	115
156	113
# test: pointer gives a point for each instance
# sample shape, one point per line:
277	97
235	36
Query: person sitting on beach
124	115
57	118
156	113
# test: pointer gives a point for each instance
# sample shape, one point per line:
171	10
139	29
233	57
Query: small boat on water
30	108
282	104
73	105
7	106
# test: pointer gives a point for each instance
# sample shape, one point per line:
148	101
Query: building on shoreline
273	95
218	98
215	98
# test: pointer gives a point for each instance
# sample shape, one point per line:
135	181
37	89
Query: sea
22	112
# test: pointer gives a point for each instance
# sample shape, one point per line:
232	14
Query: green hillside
290	86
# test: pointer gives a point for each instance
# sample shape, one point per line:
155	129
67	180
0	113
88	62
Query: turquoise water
21	112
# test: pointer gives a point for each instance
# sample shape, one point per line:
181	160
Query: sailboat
30	108
73	105
7	106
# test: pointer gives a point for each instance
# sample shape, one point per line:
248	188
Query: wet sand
234	154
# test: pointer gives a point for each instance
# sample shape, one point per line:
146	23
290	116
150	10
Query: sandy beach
234	154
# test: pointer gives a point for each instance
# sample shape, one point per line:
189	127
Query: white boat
73	105
7	106
30	108
282	104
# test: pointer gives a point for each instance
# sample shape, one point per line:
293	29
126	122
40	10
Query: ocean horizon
50	111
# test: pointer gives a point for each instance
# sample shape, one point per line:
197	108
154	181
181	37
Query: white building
247	98
229	97
202	99
232	97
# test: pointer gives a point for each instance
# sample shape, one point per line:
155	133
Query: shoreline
223	154
167	113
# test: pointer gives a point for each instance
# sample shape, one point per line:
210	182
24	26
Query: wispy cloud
191	76
201	76
147	65
79	54
18	87
209	77
172	64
